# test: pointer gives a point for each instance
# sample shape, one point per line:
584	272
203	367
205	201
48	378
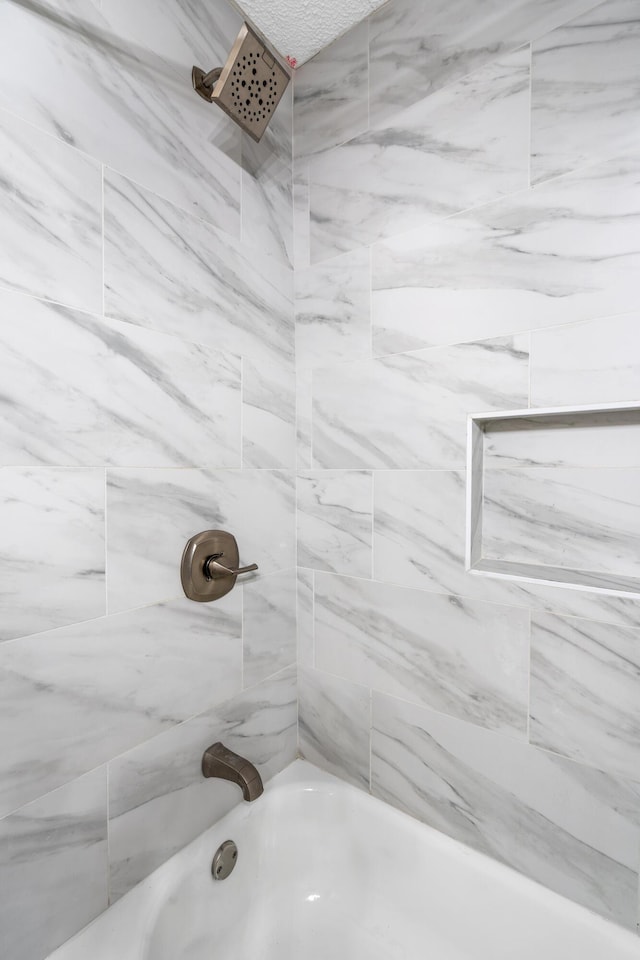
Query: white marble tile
463	657
120	103
50	217
152	514
578	519
418	530
304	407
585	690
268	414
304	609
331	102
183	32
170	271
591	362
92	690
301	216
158	799
267	216
410	410
585	79
53	867
416	48
566	251
601	439
572	829
81	390
333	310
334	725
419	541
334	521
269	625
463	146
51	548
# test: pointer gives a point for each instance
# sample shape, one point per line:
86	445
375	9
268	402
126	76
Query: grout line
372	566
106	544
530	131
109	891
313	619
529	677
370	740
103	279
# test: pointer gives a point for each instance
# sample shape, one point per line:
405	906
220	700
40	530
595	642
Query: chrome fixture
249	86
224	764
204	577
224	860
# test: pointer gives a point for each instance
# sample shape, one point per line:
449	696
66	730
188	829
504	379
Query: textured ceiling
300	28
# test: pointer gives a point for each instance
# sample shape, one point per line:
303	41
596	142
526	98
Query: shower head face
251	84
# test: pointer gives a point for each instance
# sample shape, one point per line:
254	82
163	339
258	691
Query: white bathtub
325	871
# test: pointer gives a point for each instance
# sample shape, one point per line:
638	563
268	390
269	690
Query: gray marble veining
268	414
53	867
268	625
573	829
50	217
574	518
333	313
81	390
52	548
92	690
334	725
331	101
267	215
585	90
463	146
119	102
158	799
416	48
605	439
464	657
410	410
585	690
419	541
301	222
567	250
304	610
152	514
170	271
334	521
304	414
183	32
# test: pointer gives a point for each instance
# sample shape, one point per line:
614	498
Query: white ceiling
300	28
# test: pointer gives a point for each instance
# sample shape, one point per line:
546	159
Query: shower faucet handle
204	577
213	568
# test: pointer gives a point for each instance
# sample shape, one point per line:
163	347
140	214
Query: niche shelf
530	449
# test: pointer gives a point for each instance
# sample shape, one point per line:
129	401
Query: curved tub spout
224	764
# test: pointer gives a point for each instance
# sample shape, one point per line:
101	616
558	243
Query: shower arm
210	78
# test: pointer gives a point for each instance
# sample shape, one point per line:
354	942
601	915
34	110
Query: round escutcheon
224	860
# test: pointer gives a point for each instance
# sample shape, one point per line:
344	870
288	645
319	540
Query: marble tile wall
148	392
466	240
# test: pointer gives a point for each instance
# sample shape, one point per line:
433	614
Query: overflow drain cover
224	860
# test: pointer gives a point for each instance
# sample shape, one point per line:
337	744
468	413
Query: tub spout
224	764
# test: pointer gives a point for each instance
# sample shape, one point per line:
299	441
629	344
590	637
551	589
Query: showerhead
248	87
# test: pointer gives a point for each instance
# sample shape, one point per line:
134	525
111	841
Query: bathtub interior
324	870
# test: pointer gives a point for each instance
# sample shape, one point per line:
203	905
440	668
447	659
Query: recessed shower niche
553	497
